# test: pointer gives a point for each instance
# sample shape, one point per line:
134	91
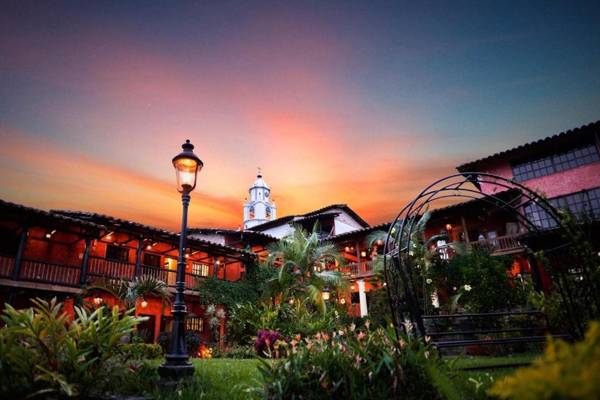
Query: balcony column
465	230
362	297
85	261
216	268
138	257
358	261
20	251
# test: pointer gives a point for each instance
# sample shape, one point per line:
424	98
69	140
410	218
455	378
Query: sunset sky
338	102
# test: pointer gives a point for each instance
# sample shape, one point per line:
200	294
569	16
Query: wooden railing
169	276
110	269
69	275
7	265
501	244
360	269
39	271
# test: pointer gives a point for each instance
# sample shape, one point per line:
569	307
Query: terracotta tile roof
346	235
139	228
583	133
19	209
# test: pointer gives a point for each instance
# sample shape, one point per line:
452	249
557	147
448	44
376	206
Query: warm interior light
149	247
347	249
363	253
325	296
342	301
352	287
97	300
448	227
144	304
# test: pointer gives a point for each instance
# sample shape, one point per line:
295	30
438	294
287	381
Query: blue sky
329	98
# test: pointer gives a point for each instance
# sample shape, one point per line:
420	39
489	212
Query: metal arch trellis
398	244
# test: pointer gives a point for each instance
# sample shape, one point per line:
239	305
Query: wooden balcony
70	275
500	245
40	271
101	267
7	265
357	270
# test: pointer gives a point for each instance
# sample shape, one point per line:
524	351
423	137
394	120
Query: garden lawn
471	362
491	368
220	378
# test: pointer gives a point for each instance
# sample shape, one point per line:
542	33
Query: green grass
467	362
233	379
483	379
218	378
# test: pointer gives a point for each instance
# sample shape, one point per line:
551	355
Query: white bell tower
259	208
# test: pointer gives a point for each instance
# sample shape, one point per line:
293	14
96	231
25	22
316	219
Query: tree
302	262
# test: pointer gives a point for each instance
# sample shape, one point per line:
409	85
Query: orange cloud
39	174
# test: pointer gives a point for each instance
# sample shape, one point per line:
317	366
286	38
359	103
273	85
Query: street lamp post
177	364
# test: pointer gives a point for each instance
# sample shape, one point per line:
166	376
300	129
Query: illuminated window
200	269
194	324
556	163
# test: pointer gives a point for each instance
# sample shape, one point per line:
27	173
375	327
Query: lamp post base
175	372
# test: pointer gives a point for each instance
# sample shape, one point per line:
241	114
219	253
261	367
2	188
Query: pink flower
361	335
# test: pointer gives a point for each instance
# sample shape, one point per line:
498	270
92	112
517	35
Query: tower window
268	212
251	212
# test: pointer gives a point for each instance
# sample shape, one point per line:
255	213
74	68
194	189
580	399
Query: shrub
357	365
141	351
192	342
564	371
43	353
479	280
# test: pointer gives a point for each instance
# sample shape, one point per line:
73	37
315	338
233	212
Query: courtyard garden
285	340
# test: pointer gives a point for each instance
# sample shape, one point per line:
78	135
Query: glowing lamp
448	227
97	300
342	301
325	295
144	304
363	253
187	165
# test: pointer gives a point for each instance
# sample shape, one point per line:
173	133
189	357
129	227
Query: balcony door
171	267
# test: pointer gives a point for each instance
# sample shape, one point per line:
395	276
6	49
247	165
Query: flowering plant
354	363
268	343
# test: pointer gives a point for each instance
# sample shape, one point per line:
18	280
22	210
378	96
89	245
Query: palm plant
302	261
129	291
